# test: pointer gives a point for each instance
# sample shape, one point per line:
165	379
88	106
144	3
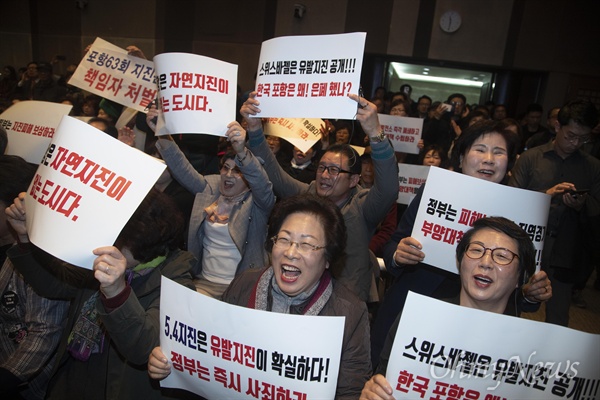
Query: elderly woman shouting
307	236
493	258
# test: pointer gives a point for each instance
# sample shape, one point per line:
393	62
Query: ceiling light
438	79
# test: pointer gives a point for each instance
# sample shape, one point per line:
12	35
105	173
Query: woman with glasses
228	224
307	237
493	258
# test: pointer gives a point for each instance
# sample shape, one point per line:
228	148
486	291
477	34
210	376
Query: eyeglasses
225	169
332	170
284	243
500	255
581	139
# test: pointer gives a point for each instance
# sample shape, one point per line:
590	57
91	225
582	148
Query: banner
442	351
404	132
86	188
197	94
221	351
310	76
452	202
300	132
30	126
116	76
410	179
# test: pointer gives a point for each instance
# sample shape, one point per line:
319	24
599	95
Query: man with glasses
338	173
572	178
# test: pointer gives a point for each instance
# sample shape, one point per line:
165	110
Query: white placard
86	188
442	348
310	76
410	179
221	351
30	126
403	132
197	94
116	76
452	202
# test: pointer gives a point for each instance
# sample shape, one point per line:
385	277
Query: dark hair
459	95
354	164
438	149
582	112
534	107
479	113
229	155
15	176
325	211
155	228
510	229
424	97
3	141
475	131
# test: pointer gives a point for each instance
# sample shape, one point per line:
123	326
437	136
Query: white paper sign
410	179
30	126
404	132
443	348
310	76
197	94
452	202
116	76
300	132
221	351
85	189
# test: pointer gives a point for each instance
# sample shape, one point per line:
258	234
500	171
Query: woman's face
487	158
232	180
486	285
301	157
295	271
432	159
342	136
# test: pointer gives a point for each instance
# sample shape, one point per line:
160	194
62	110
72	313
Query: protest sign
197	94
310	76
30	126
221	351
300	132
116	76
403	132
86	188
443	350
410	179
451	202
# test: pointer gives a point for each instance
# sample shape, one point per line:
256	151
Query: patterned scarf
219	211
262	297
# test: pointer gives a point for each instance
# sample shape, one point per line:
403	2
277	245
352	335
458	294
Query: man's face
570	137
533	119
336	188
499	113
32	71
458	104
423	106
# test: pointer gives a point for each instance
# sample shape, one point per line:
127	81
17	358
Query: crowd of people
253	221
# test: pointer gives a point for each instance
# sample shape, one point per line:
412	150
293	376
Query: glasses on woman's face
500	255
226	169
303	247
331	170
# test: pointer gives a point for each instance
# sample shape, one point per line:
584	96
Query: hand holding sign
366	114
15	214
377	388
109	270
249	110
409	251
158	365
236	135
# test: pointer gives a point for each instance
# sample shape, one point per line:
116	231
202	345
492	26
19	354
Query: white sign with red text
197	94
410	179
86	188
300	132
116	76
310	76
221	351
443	350
30	126
404	132
451	202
